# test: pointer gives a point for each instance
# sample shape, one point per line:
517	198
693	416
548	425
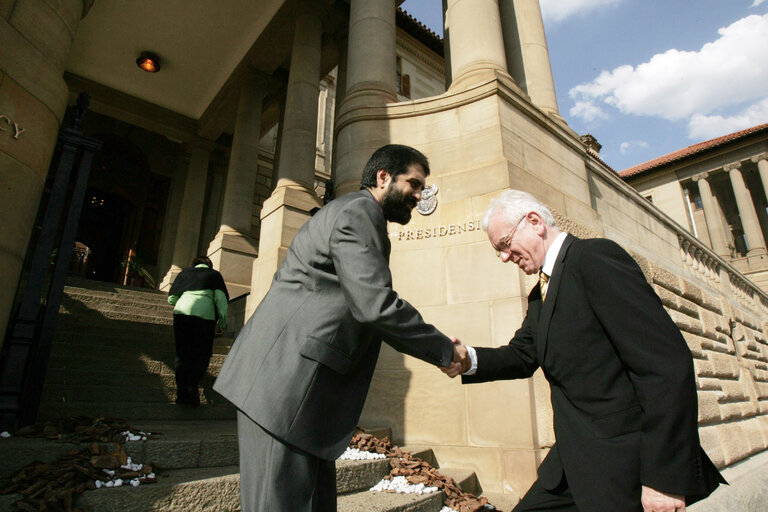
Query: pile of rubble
82	429
417	471
54	486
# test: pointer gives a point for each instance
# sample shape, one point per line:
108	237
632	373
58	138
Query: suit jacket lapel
548	305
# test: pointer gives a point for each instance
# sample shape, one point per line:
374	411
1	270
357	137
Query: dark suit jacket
621	377
302	364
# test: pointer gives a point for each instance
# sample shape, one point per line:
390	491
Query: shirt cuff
473	359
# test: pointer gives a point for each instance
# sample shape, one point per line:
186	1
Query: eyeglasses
506	241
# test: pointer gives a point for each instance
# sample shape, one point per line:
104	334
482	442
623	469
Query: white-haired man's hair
513	206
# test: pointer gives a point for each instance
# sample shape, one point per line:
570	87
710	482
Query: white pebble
110	484
110	472
118	482
141	436
5	434
135	482
447	509
401	485
99	484
356	454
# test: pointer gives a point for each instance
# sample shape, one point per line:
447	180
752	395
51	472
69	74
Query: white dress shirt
549	265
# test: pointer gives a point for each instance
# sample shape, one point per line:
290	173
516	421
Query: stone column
341	92
527	52
477	44
191	211
747	212
370	82
294	198
297	154
762	167
712	216
35	39
233	249
446	47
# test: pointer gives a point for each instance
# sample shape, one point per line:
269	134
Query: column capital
760	156
701	176
730	167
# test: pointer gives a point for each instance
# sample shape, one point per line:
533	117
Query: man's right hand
461	362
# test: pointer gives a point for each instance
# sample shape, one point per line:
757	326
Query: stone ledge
747	492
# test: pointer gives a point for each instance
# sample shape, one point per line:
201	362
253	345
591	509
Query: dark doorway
122	216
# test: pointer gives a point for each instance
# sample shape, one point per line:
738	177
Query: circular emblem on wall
428	201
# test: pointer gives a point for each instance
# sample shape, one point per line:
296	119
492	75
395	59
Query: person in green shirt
199	297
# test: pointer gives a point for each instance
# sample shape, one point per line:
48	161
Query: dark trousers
277	477
194	346
538	499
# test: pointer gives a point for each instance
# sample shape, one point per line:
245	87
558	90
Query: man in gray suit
300	369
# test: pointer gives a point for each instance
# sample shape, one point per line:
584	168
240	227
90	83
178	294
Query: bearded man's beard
396	205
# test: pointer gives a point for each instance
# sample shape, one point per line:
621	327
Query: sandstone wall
479	142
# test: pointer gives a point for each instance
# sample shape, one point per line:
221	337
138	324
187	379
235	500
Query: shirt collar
552	252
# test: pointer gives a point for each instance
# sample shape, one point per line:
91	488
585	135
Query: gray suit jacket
302	364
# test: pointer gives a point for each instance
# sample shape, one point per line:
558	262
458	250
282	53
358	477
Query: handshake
461	362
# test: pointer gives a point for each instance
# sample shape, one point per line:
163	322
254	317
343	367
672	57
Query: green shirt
201	303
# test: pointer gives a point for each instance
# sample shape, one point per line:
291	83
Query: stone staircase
113	355
199	461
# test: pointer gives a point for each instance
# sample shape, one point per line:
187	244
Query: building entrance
121	222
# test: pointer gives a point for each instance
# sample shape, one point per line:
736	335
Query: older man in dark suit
300	369
621	376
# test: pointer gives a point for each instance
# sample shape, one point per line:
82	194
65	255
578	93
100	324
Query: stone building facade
716	189
231	127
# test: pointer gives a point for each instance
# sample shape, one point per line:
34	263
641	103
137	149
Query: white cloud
702	127
588	111
677	85
558	10
627	145
756	3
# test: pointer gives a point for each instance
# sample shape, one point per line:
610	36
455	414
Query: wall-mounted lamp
149	62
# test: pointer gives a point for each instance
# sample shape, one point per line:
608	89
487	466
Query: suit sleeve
517	360
358	246
657	360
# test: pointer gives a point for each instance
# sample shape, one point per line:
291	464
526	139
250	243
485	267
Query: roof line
690	151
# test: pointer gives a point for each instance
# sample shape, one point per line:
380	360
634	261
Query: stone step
199	472
181	490
203	489
58	377
465	478
124	362
96	297
97	309
66	331
366	501
216	408
110	348
183	445
106	318
91	286
186	444
503	502
152	390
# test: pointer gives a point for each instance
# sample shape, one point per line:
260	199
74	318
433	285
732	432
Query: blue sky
648	77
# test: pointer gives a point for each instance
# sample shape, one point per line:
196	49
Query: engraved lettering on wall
437	231
9	125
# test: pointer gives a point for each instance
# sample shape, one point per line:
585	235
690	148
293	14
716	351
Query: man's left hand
655	501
